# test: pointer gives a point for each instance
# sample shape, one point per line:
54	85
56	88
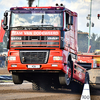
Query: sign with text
35	33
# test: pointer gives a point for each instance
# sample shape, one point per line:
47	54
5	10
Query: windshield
51	19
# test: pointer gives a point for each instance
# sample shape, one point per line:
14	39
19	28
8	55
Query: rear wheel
45	85
17	79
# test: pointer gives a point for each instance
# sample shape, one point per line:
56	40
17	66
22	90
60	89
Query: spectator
0	60
3	60
6	60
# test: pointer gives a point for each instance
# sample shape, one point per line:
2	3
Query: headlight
57	58
11	58
13	38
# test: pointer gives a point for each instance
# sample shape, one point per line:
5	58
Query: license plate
33	66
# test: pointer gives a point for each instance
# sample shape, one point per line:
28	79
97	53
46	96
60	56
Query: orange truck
43	46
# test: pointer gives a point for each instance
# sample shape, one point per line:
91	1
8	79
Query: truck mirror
70	20
5	20
6	14
5	27
4	23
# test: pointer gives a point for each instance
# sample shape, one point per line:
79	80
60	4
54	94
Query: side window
67	21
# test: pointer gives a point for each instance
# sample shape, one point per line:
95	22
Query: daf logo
53	38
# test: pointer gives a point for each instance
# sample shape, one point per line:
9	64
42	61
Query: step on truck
42	43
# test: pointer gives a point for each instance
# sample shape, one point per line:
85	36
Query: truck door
72	34
67	31
78	72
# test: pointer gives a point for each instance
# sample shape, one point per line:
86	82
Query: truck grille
35	41
34	57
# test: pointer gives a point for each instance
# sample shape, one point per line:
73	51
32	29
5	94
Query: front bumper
50	65
43	66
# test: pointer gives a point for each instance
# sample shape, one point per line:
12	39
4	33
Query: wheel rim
68	75
67	79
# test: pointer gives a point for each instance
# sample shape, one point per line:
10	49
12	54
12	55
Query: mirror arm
66	29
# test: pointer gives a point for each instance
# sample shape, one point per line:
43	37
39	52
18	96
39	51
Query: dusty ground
9	91
24	92
3	71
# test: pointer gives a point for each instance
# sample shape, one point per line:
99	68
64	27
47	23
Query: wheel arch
69	58
71	62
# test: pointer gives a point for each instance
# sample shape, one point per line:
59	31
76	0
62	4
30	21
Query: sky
82	7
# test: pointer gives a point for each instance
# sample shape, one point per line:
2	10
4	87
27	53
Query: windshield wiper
37	27
29	26
42	18
46	25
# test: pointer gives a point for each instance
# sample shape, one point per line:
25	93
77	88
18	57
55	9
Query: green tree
93	42
83	42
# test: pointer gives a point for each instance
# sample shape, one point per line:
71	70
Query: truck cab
42	43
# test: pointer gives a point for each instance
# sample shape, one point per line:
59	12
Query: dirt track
9	91
3	71
24	92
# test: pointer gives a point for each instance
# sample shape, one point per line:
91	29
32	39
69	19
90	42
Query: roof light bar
57	4
61	4
38	8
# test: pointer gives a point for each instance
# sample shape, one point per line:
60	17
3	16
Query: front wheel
68	76
17	79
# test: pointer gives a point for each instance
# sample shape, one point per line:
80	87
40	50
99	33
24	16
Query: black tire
45	86
17	79
68	78
45	83
87	78
42	84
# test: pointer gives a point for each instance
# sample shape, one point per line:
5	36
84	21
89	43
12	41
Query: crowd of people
3	60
